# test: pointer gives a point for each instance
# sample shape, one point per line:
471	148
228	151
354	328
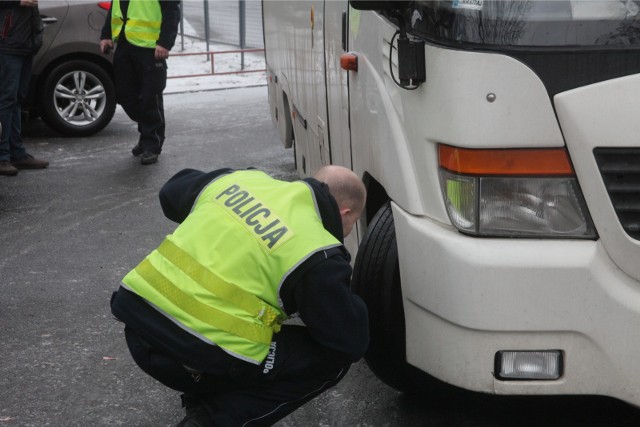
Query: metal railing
211	59
237	22
234	22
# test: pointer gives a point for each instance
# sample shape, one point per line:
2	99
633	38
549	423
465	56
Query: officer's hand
106	46
29	3
161	52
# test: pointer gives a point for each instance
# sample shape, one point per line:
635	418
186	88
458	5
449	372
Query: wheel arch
286	132
376	197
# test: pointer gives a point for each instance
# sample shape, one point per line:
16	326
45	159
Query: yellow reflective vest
144	19
218	275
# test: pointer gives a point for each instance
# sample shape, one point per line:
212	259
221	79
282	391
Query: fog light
529	365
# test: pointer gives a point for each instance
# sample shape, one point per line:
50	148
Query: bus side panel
337	81
295	54
277	72
378	137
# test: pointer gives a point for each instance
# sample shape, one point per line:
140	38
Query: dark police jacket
318	289
20	28
168	29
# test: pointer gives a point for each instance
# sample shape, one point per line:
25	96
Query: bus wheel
376	279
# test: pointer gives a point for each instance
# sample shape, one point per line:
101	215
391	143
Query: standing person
20	39
145	31
204	312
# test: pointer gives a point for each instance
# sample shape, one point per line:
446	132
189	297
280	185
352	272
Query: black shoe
137	150
190	403
148	158
199	417
6	168
29	162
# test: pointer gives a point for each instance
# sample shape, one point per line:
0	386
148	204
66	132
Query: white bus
500	145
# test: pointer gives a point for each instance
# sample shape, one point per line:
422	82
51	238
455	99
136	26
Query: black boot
197	416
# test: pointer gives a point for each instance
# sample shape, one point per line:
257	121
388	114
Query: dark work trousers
240	393
15	72
140	80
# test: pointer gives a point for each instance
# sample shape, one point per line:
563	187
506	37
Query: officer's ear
345	212
348	219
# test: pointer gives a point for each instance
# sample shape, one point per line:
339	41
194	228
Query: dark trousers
15	72
140	80
240	393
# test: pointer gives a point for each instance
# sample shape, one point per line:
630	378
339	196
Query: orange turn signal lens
349	62
544	161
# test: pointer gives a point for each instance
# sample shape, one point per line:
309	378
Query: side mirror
411	60
379	5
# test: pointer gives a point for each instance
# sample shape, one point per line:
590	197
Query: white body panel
603	115
466	298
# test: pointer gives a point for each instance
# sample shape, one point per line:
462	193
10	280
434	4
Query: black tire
78	98
376	279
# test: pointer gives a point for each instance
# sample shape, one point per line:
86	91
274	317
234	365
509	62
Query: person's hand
29	3
106	45
161	52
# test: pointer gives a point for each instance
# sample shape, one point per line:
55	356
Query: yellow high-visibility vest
218	275
144	19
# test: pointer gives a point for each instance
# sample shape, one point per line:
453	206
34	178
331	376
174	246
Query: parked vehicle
72	85
499	144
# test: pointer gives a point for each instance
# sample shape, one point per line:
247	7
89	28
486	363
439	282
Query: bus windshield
529	23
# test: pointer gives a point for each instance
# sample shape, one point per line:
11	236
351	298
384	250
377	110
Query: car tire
78	98
376	279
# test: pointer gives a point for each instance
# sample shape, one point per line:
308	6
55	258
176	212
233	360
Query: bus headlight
513	193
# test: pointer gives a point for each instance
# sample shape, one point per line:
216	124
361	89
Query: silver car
72	85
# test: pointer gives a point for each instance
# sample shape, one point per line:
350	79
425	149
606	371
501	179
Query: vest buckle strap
270	318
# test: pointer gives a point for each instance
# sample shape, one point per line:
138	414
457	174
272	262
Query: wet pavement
72	231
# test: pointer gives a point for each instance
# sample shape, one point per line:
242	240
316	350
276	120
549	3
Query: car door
53	14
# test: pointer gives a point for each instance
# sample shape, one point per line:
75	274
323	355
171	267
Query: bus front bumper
468	298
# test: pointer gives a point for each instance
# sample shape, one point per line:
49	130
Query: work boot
148	158
199	417
190	403
6	168
29	162
137	150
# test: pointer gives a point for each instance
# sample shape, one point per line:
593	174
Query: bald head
348	190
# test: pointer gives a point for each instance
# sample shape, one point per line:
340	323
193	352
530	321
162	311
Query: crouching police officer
204	312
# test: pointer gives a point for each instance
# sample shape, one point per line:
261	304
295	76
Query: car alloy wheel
78	98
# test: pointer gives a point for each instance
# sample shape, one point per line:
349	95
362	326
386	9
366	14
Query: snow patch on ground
184	66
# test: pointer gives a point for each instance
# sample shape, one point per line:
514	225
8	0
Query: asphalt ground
71	232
